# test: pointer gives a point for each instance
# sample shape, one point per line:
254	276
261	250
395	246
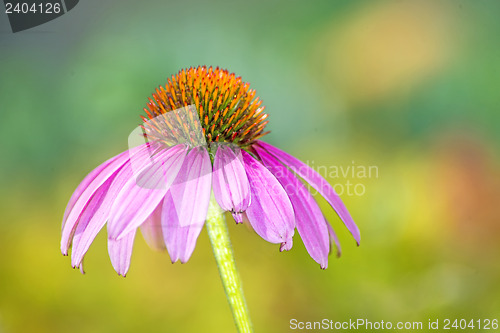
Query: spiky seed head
227	108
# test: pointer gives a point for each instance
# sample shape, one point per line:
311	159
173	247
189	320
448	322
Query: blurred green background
410	87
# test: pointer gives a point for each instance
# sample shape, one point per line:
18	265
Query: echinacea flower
202	135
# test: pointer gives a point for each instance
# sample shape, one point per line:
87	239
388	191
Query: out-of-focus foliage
409	88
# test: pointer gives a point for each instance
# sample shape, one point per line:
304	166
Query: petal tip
174	260
286	246
79	267
238	218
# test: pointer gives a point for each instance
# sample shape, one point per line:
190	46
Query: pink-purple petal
151	229
309	219
136	201
91	213
230	182
318	183
334	240
84	184
185	205
89	227
270	212
120	252
83	200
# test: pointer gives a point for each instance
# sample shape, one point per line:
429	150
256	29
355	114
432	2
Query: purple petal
151	229
185	205
138	198
271	213
101	176
83	237
84	184
120	251
308	217
90	224
230	182
334	240
318	183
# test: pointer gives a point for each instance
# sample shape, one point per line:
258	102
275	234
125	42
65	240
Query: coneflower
201	136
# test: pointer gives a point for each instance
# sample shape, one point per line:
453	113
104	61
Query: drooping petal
334	240
91	212
230	182
120	251
84	184
270	213
309	219
140	196
180	240
151	229
81	203
90	225
317	182
185	205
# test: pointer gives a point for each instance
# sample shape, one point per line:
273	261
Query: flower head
227	108
201	135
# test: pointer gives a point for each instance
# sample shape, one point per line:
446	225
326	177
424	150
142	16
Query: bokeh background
410	87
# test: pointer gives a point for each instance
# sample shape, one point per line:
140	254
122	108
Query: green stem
223	252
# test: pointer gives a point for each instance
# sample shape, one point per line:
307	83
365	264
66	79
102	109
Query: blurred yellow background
409	87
